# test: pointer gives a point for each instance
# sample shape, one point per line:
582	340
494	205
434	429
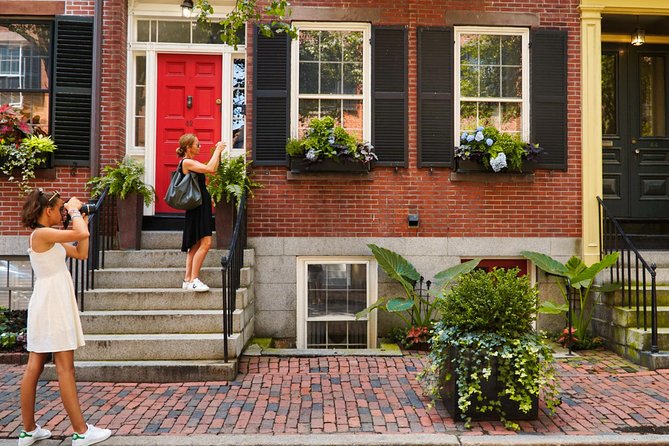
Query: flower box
464	166
302	165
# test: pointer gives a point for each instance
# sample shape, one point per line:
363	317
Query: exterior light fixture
639	35
186	8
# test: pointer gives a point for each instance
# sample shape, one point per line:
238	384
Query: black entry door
635	127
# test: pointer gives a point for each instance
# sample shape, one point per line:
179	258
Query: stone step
160	299
146	347
160	277
616	298
153	321
165	258
162	239
628	317
640	339
659	258
150	371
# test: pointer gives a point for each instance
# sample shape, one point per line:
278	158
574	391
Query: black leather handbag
184	191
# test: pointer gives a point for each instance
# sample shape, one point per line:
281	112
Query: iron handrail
100	224
231	265
612	238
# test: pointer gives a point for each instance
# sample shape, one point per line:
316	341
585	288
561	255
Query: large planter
302	165
466	166
224	220
130	214
490	389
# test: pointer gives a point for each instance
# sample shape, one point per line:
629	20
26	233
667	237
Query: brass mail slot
607	143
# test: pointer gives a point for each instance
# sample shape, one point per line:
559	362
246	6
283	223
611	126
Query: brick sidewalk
601	393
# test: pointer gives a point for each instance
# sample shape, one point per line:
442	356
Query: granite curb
371	440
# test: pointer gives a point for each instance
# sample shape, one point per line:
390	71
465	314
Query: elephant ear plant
413	308
574	274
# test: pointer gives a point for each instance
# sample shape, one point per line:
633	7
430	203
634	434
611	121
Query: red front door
189	101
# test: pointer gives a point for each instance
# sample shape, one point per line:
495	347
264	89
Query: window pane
352	46
238	103
469	49
24	56
609	96
331	108
206	33
140	100
331	78
652	97
353	117
331	48
353	78
308	110
489	114
143	28
174	32
140	70
490	82
468	112
512	86
511	118
511	50
309	45
469	81
308	77
489	50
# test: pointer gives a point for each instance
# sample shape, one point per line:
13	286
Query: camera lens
87	208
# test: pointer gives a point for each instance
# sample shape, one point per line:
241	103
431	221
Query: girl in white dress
53	316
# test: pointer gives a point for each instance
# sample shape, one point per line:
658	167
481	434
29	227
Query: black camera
85	209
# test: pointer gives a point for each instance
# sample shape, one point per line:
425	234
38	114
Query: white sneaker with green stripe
92	436
28	438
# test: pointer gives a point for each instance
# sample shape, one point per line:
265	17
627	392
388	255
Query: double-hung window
492	79
330	76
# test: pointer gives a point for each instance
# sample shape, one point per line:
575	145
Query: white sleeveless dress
53	315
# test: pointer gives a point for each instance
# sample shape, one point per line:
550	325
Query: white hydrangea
499	162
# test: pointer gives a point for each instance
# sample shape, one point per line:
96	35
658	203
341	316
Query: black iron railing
231	267
102	228
632	271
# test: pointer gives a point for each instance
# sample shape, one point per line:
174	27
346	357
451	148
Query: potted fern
126	182
226	187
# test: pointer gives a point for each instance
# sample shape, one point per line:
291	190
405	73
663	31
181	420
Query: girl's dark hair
35	203
185	142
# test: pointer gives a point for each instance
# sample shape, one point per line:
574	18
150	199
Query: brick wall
67	181
548	207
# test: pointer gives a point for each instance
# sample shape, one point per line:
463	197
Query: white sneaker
91	436
197	286
185	285
28	438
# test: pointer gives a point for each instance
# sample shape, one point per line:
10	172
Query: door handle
189	101
637	151
218	102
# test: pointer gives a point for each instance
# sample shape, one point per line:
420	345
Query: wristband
76	216
74	213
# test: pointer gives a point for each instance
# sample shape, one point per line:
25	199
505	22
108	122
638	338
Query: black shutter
271	99
435	97
72	83
549	96
389	95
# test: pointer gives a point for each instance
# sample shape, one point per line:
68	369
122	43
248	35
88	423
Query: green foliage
248	11
581	278
231	180
22	152
408	307
486	321
497	302
324	140
496	150
12	329
126	177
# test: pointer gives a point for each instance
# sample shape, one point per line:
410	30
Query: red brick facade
71	182
548	207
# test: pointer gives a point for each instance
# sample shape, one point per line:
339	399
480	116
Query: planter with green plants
415	308
22	152
13	336
125	181
486	149
226	187
486	361
577	279
327	147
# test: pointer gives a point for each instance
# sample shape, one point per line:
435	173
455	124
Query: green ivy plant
270	19
21	160
124	178
412	308
231	180
581	278
12	329
486	322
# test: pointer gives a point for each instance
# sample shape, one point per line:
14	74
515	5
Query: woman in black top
198	228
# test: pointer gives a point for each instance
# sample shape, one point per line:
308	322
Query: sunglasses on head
54	195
